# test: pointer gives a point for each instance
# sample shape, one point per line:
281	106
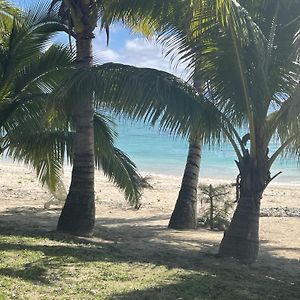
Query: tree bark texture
184	215
78	214
241	240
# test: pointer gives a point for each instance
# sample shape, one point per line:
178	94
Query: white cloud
137	52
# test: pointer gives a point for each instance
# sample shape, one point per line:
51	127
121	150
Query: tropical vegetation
36	125
50	107
250	71
241	57
244	63
81	18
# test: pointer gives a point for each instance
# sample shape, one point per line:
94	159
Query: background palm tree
177	23
184	215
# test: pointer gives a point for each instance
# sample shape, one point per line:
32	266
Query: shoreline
19	181
205	179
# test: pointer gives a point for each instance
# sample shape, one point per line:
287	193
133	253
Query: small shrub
216	206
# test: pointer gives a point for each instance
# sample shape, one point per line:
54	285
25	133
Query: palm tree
268	76
252	81
177	24
81	16
35	125
249	68
184	215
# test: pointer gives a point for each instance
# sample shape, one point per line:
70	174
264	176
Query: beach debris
280	212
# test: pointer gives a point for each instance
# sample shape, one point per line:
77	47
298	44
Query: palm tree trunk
184	215
241	239
78	214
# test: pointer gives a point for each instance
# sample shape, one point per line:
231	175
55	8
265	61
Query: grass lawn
41	265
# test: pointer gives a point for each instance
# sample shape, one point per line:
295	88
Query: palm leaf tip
124	175
115	164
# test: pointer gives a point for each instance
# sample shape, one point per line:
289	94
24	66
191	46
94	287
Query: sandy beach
22	200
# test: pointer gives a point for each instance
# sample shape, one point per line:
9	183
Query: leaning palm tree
177	25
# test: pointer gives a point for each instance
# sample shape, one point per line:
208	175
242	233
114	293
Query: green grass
52	266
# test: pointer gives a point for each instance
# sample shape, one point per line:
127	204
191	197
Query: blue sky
125	47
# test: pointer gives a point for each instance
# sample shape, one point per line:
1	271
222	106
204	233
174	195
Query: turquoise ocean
158	152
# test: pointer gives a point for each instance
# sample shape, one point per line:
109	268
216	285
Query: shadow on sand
145	240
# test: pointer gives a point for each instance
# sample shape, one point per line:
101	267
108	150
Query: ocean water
158	152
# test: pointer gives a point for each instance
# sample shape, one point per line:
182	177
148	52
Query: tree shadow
218	286
32	273
144	240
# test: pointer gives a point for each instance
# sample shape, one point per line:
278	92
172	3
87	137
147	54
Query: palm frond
149	95
115	164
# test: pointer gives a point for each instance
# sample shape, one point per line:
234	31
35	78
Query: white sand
22	199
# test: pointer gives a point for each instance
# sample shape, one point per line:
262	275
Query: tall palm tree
269	81
35	124
78	214
253	81
177	25
81	16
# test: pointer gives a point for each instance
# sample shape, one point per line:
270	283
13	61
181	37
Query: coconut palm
253	81
177	25
269	90
81	18
184	215
249	68
35	125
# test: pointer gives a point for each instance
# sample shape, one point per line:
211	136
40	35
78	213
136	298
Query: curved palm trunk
184	215
78	214
241	240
